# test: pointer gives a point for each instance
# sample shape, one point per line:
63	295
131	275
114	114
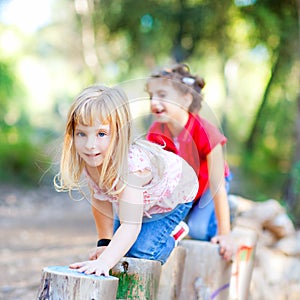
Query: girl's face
92	142
168	104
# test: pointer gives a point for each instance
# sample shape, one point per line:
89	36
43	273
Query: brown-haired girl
175	99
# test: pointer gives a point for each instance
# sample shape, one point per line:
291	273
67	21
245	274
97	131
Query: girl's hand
96	252
227	246
96	267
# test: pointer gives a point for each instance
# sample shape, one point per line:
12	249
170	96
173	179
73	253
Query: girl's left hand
96	252
227	245
96	267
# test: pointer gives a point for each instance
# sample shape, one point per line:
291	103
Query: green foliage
259	39
6	87
295	174
21	160
261	175
161	29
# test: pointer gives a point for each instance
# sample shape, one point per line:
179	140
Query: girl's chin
93	164
161	118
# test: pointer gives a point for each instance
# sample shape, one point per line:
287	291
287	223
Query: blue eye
81	134
101	134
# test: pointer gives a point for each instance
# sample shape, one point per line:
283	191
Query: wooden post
138	278
206	274
243	263
171	275
62	283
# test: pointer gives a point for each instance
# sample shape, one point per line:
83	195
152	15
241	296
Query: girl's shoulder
204	124
206	131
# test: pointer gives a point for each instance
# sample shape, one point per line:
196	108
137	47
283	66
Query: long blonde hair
110	106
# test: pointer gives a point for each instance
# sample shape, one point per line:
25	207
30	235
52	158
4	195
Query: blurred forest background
246	50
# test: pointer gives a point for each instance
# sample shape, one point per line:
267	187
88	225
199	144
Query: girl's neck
176	126
94	173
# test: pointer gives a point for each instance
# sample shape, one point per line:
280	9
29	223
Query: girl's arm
130	214
217	187
104	221
103	217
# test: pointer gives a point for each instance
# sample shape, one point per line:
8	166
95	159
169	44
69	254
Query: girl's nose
154	101
91	143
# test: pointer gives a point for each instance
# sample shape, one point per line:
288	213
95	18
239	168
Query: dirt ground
39	228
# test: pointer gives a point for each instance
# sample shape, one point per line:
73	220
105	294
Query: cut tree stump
138	278
171	275
62	283
206	275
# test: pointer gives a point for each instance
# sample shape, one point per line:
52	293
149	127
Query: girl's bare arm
217	187
130	214
103	217
218	191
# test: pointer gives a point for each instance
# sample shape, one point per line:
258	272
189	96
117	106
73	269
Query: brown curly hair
185	82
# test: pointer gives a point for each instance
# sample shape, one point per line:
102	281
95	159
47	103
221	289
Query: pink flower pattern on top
177	184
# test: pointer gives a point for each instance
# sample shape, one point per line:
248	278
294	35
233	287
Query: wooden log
206	275
243	264
62	283
138	278
171	275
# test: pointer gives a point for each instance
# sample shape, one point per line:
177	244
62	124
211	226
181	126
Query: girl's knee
202	223
198	230
160	252
163	252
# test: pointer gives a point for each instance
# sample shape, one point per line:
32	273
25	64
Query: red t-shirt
194	143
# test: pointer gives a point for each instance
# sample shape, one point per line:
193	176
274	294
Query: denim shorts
154	241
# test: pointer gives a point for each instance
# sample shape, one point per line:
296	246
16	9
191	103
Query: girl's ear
188	97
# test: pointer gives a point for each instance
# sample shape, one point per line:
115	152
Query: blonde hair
110	106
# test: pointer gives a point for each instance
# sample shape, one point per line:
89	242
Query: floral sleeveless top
177	184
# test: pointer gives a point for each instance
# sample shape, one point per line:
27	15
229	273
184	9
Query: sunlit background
247	52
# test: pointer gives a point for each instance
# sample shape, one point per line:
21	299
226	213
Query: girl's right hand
96	252
96	267
227	245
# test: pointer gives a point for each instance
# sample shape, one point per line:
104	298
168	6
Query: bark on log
206	274
171	275
138	278
62	283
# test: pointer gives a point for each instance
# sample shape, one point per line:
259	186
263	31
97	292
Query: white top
178	183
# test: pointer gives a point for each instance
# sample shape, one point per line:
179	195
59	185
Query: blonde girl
139	192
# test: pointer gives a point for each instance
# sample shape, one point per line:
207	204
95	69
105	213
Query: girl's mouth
93	155
158	111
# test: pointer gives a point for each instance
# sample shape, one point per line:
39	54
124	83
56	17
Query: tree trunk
138	278
206	274
291	190
63	283
257	126
171	275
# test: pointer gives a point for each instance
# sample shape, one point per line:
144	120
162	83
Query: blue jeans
202	219
154	241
